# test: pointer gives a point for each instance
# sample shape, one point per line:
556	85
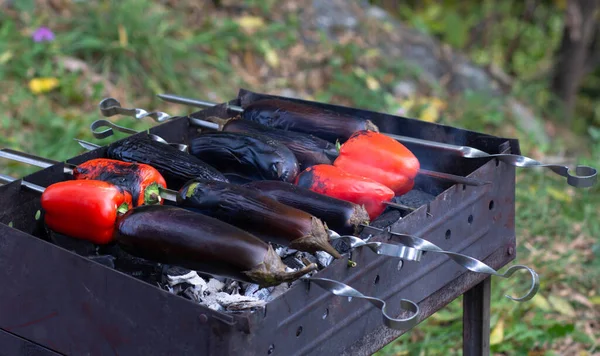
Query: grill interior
478	221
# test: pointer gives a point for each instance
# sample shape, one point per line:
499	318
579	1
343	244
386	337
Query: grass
106	48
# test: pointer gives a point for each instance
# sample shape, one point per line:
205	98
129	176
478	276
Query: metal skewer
344	290
397	251
332	286
111	107
470	263
582	177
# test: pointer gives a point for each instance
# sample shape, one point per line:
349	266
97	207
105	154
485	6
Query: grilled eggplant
253	157
288	115
177	236
308	149
342	216
176	166
258	214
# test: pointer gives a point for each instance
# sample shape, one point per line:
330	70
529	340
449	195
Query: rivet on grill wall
271	349
511	250
203	318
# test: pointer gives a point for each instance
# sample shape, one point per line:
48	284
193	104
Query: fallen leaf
541	302
250	23
272	58
561	305
5	57
429	114
372	83
497	335
42	85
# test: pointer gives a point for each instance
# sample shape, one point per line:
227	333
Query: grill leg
476	320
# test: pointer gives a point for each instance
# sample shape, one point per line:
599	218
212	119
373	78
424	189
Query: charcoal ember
323	259
232	287
182	287
105	260
389	217
214	285
415	198
140	268
293	262
80	247
341	245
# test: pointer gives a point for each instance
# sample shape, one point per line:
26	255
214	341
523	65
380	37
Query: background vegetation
134	49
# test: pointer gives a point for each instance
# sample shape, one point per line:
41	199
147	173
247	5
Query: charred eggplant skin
308	149
250	156
341	216
176	166
256	213
288	115
177	236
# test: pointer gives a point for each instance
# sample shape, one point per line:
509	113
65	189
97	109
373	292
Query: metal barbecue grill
55	300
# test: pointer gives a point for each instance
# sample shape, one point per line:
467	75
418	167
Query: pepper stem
152	194
122	209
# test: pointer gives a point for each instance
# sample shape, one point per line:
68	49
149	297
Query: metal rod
110	107
468	262
33	160
580	177
8	179
453	178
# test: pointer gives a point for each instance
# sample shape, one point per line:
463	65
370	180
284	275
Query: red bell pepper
141	180
332	181
84	209
381	158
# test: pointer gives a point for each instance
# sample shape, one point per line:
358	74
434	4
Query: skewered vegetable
308	149
342	216
249	156
84	209
333	182
141	180
257	214
380	158
176	166
181	237
287	115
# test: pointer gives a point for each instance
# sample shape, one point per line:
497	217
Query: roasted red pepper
332	181
141	180
381	158
84	209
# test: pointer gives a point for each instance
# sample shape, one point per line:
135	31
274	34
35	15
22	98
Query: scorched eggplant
176	166
308	149
287	115
257	214
342	216
177	236
250	156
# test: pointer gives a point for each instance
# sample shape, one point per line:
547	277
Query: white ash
191	277
323	259
284	251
